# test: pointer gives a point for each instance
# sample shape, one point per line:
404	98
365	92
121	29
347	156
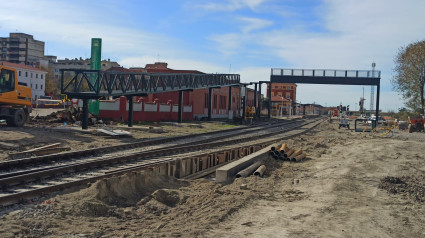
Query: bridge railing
326	73
80	83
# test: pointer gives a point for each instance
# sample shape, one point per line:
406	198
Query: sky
246	37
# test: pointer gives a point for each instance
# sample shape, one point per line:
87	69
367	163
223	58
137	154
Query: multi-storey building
31	77
21	48
284	96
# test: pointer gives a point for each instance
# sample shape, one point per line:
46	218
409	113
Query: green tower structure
96	55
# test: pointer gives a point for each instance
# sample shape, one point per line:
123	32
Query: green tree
409	77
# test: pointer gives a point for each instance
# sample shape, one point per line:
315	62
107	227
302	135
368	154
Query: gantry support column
377	102
180	112
259	102
269	113
255	99
210	92
230	111
85	121
130	111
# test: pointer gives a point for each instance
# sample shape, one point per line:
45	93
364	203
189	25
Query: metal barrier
326	73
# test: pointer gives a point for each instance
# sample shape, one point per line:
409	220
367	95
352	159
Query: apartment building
21	48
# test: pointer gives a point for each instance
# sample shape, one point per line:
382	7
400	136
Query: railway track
71	169
16	167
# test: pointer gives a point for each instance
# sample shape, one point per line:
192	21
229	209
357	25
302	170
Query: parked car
373	118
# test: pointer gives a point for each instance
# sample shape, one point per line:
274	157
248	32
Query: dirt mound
167	196
412	186
107	197
127	190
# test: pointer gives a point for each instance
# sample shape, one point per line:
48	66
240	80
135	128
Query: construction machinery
15	98
416	124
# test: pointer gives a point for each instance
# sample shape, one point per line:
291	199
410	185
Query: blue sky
247	37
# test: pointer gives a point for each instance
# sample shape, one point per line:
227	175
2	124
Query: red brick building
284	96
197	100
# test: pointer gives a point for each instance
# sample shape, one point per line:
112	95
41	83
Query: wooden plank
35	149
50	151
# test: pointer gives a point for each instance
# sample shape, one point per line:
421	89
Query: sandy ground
351	185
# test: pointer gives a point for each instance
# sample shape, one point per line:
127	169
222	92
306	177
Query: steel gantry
95	84
327	76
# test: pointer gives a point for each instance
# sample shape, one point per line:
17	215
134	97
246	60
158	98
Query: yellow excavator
15	98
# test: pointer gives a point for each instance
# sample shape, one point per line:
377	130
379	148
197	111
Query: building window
31	75
19	73
31	86
36	76
41	76
41	86
56	70
223	102
36	86
288	87
26	75
206	100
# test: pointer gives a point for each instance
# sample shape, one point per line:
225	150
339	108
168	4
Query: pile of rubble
70	115
412	186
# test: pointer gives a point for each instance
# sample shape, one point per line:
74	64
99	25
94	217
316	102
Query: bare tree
409	79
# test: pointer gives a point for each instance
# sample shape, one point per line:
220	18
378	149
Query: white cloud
231	5
253	24
228	44
75	27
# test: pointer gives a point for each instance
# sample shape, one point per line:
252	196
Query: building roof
279	99
162	67
13	65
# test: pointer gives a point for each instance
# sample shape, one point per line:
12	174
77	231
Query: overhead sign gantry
327	76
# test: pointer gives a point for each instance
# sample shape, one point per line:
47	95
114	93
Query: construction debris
114	132
71	115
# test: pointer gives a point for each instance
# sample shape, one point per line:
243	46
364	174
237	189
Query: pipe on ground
260	171
274	154
295	154
283	148
283	157
248	171
290	152
299	158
